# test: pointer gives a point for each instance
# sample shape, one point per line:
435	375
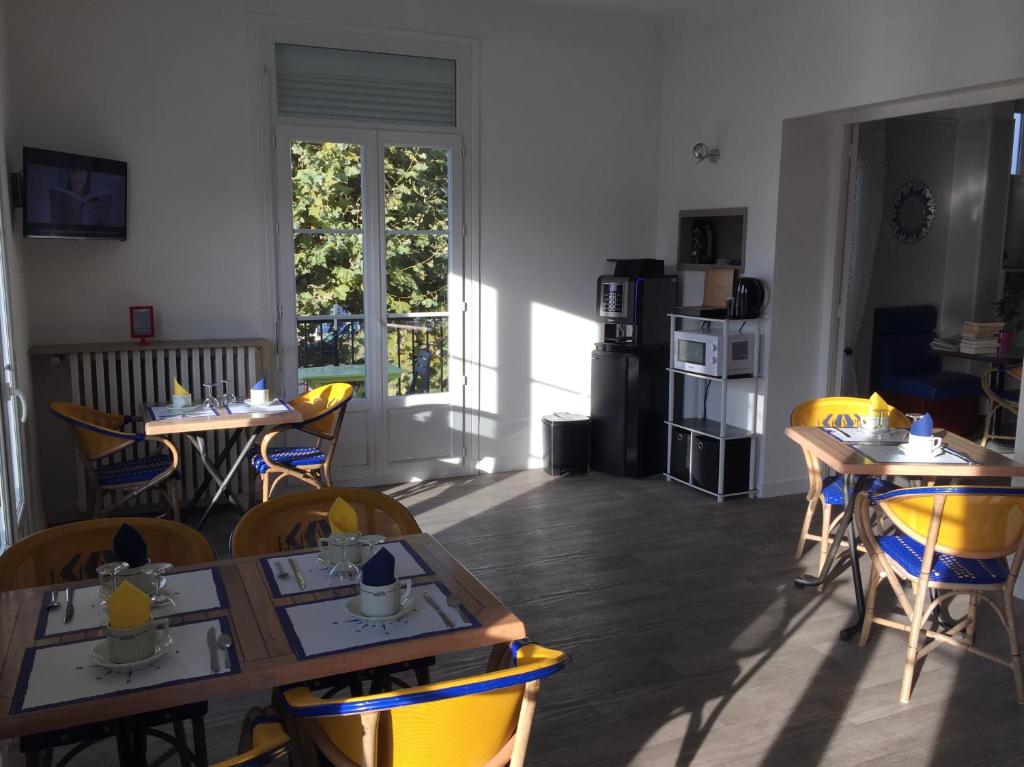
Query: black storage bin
737	464
566	443
679	466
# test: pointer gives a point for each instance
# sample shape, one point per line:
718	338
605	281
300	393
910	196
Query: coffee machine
633	303
628	384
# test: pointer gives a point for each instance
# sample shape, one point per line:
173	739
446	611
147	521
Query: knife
298	575
430	601
211	641
69	608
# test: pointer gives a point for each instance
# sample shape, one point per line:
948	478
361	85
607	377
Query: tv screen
70	195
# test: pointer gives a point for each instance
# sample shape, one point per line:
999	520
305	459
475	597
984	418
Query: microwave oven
695	352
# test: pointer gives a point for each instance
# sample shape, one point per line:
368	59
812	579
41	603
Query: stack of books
980	337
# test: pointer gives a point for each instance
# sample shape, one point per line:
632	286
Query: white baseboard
777	487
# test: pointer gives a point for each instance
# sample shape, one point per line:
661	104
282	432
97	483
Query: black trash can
566	443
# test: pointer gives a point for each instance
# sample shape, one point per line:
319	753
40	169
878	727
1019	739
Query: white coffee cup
382	601
259	396
923	446
134	644
180	401
341	547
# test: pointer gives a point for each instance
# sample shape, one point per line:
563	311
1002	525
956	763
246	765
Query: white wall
569	121
735	72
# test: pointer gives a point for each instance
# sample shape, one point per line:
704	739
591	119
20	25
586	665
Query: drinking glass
156	570
108	577
210	399
346	572
228	398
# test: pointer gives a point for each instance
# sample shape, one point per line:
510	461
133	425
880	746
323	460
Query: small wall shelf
707	453
728	230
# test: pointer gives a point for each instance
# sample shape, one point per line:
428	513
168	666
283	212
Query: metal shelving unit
718	428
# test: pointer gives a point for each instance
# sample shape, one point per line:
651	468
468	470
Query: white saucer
352	608
260	405
904	448
99	654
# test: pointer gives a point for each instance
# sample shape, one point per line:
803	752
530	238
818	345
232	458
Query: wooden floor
689	643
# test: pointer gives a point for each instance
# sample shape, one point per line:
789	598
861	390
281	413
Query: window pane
416	188
328	274
326	186
331	351
417	355
417	271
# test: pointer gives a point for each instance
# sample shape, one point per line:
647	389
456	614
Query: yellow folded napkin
127	607
877	403
343	517
179	389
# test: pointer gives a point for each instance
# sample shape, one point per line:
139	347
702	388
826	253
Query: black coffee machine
628	384
633	303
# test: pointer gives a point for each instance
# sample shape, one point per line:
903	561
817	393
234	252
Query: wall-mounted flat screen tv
74	196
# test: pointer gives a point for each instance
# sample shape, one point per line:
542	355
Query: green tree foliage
329	265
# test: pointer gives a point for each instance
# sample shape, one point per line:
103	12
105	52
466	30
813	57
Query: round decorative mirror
913	212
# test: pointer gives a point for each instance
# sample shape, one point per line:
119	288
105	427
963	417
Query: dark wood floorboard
689	643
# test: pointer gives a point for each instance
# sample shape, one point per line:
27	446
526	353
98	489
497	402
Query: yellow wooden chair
828	491
71	552
323	410
948	541
263	740
99	436
472	722
999	399
298	520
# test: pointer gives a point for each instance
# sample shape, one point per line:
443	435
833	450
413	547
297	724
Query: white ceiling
659	8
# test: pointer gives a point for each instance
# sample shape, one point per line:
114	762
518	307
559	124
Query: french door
371	292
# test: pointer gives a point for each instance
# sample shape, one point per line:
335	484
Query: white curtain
863	226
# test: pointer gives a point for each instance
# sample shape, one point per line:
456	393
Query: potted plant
1010	309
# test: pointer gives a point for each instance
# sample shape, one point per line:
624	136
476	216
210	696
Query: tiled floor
689	643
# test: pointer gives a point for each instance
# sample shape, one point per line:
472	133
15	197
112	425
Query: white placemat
322	628
162	412
407	565
53	676
276	406
192	591
892	454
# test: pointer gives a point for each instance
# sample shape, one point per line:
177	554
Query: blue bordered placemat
218	582
271	578
381	629
233	666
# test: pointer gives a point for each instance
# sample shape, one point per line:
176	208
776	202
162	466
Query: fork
279	568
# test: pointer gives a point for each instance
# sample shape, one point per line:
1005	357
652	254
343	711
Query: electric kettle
748	298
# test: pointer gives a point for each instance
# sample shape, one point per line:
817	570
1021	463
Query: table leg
232	441
131	741
223	483
853	630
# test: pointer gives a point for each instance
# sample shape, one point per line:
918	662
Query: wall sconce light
703	152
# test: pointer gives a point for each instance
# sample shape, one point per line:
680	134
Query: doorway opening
931	261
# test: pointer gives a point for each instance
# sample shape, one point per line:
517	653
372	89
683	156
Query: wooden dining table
193	428
856	467
263	646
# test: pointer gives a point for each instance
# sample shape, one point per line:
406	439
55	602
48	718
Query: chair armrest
267	439
170	447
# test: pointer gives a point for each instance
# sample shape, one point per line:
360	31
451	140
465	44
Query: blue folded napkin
922	427
380	569
130	547
260	384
